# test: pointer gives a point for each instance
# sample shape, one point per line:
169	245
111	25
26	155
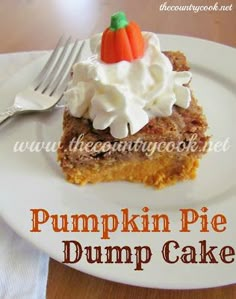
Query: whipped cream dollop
126	95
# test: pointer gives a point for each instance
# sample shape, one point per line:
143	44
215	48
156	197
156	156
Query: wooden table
37	24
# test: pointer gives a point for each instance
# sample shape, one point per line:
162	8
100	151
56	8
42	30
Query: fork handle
9	112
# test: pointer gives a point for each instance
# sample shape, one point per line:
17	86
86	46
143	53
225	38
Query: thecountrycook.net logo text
79	144
167	7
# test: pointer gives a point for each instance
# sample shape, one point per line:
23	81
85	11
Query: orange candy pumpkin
122	40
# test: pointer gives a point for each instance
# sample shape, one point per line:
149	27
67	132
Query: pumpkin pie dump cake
130	112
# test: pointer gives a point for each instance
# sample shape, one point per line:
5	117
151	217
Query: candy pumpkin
123	40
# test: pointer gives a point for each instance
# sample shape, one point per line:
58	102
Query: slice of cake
130	117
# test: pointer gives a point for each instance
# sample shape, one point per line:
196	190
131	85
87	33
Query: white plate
34	180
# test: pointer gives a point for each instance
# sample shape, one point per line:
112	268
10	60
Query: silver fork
48	87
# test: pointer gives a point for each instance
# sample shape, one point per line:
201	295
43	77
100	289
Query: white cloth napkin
23	268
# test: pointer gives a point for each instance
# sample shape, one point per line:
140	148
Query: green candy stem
118	20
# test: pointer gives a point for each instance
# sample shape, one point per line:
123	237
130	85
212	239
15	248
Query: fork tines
53	78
